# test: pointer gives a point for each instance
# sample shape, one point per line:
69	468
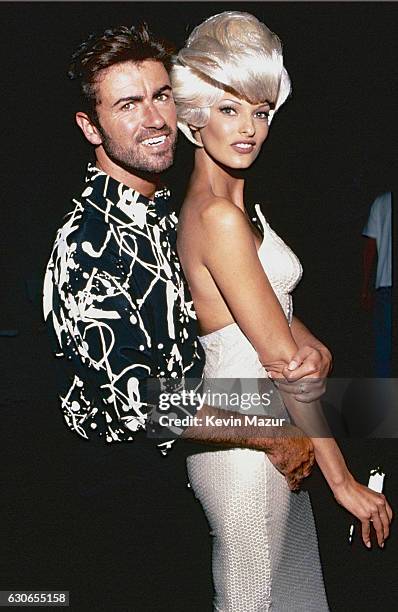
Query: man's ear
88	128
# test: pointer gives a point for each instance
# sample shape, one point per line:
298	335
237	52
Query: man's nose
152	117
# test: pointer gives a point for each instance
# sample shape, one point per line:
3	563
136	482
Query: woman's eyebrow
229	100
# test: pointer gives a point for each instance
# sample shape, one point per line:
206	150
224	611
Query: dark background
331	149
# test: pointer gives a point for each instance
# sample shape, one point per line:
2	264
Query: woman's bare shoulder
220	214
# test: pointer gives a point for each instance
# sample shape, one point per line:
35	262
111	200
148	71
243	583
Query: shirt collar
126	204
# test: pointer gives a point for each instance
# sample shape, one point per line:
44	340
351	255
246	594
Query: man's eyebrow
128	99
158	92
162	90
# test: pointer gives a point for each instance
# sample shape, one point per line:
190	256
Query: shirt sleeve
103	334
372	227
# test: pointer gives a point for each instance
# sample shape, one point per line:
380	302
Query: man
117	302
377	233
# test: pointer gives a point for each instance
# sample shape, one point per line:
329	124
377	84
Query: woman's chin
239	164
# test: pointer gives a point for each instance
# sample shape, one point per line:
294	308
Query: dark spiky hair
114	46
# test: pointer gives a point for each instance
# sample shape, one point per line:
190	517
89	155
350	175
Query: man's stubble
134	158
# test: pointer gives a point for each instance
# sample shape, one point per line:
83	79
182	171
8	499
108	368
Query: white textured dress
265	547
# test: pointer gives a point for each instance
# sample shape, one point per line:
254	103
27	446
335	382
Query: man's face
137	116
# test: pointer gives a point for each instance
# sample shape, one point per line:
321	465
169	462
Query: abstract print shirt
118	308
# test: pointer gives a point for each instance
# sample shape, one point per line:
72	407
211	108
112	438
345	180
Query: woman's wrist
331	463
340	481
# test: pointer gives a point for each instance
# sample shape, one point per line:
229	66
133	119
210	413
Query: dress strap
261	217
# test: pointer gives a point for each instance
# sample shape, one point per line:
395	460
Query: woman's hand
305	376
368	506
309	360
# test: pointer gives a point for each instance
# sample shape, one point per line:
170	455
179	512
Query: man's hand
288	448
305	376
292	456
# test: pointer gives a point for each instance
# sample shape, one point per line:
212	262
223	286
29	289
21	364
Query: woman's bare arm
231	257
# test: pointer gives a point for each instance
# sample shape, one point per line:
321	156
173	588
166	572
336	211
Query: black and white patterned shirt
117	303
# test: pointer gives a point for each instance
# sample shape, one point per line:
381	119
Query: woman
228	81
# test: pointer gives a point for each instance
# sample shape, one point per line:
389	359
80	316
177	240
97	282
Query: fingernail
382	545
368	544
292	365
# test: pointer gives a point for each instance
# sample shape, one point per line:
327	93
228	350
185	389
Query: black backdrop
330	150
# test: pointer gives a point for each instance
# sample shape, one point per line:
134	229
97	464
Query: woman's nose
247	126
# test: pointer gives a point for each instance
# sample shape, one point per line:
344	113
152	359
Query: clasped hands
305	379
305	376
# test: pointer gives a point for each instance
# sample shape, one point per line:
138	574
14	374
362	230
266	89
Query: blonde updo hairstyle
231	51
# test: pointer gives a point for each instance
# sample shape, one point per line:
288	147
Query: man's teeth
154	141
243	145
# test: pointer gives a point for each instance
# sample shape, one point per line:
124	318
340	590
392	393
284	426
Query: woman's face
235	132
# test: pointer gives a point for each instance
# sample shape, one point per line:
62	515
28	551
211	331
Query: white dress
265	547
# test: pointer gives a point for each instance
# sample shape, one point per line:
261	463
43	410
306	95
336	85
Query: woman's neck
219	180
